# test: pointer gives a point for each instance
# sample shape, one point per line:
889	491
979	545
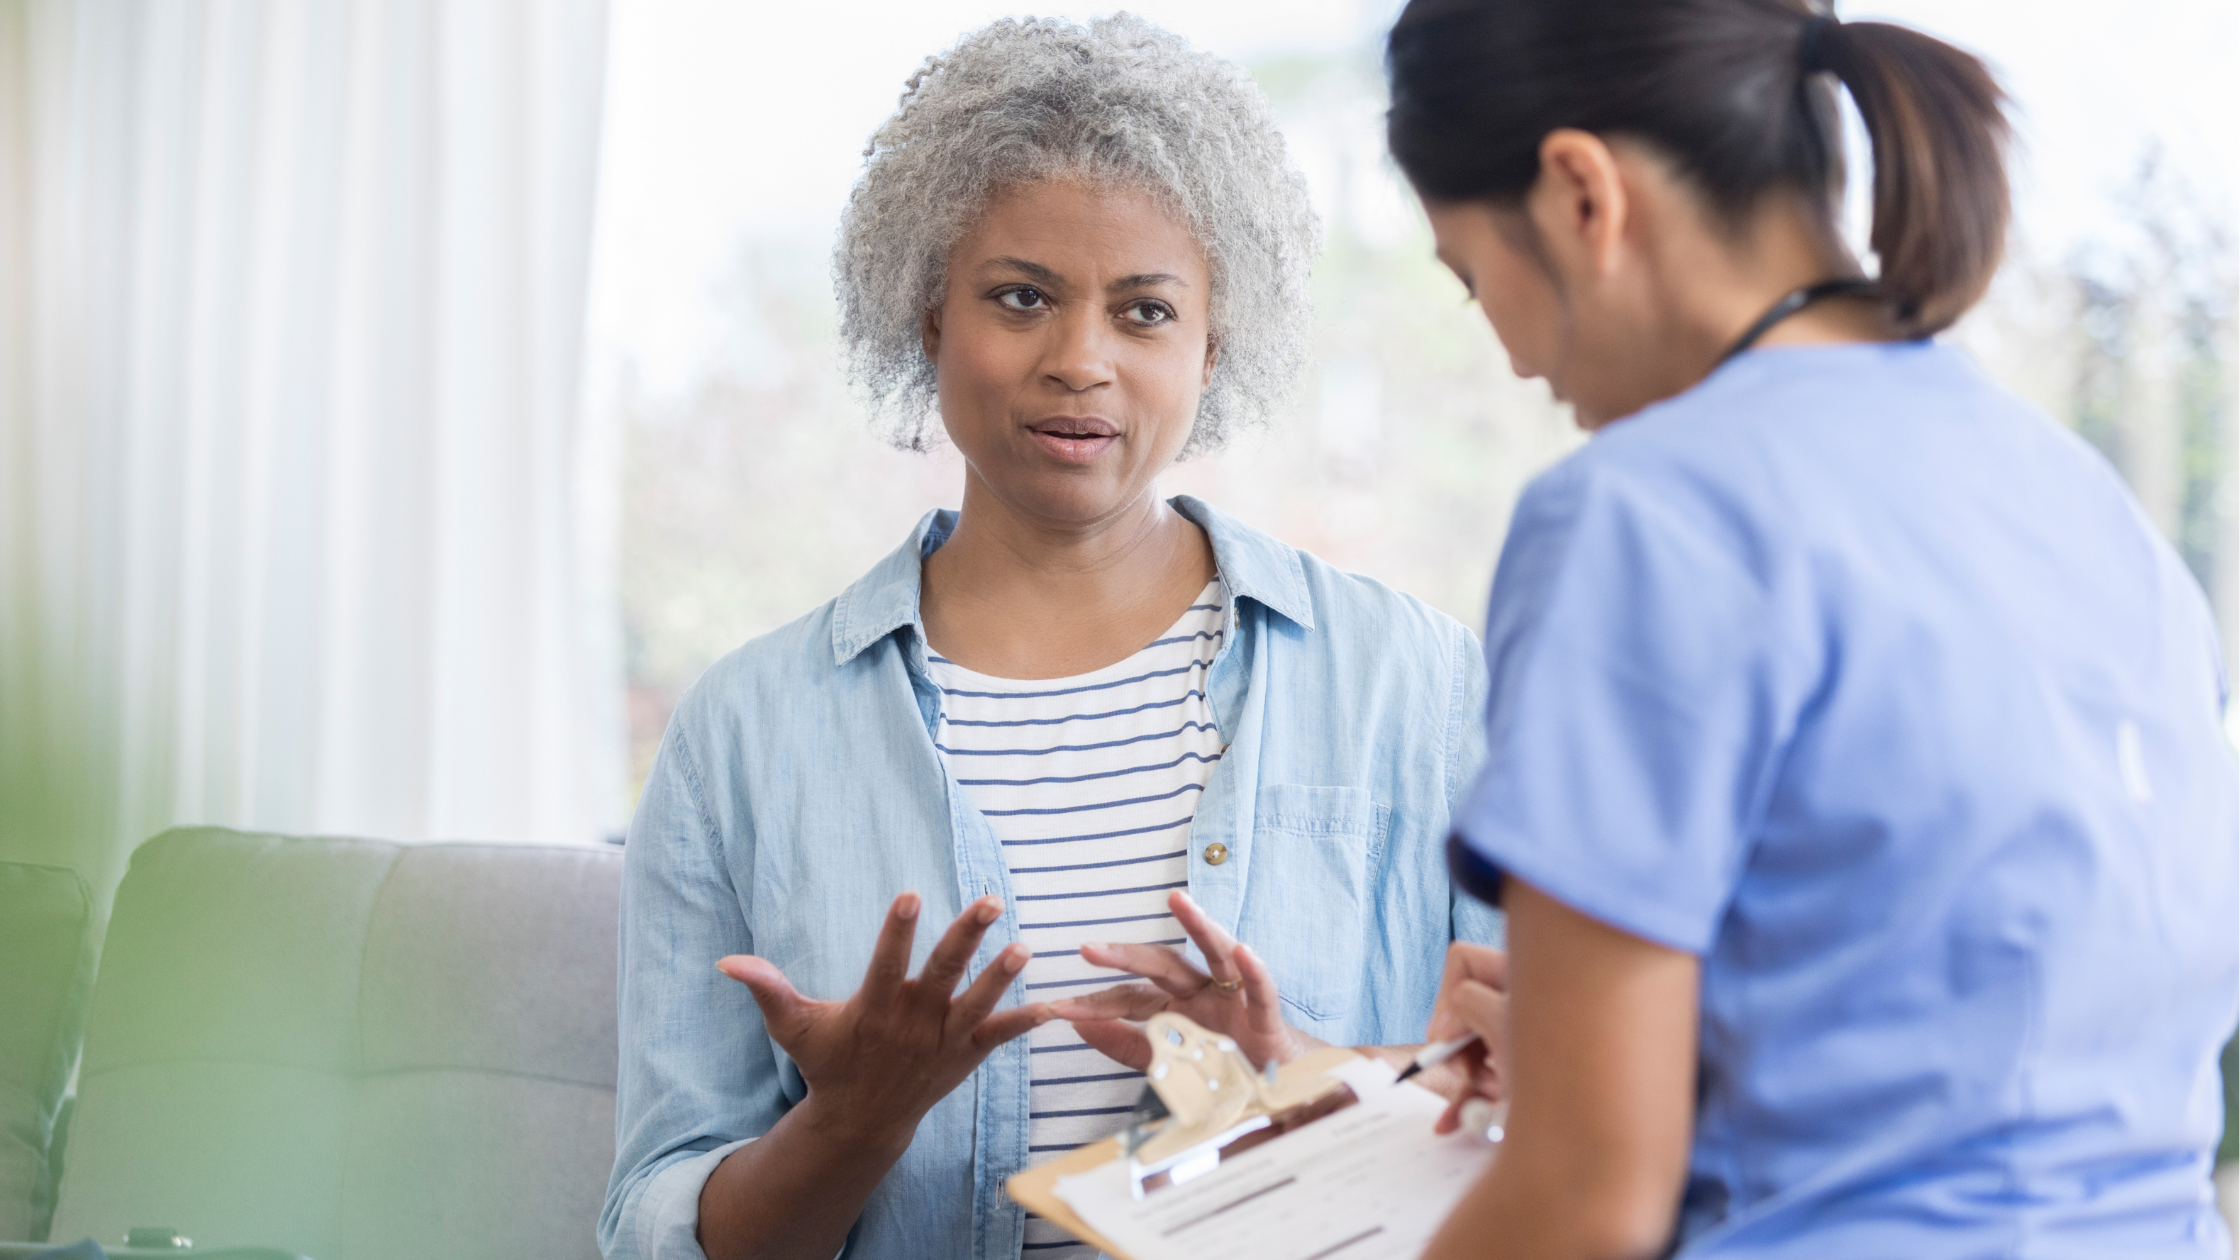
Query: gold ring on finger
1226	986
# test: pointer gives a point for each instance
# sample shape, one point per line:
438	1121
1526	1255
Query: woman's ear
1213	356
1579	202
929	334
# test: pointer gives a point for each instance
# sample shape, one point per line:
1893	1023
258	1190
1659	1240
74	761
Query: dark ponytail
1940	179
1730	90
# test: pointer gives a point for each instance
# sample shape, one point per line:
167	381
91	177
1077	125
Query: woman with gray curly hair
1139	724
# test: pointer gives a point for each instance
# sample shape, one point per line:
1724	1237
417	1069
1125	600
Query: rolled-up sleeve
698	1077
664	1217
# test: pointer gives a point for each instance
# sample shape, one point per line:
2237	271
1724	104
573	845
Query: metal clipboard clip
1204	1103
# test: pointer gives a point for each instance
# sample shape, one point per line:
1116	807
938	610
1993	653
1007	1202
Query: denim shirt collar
1256	567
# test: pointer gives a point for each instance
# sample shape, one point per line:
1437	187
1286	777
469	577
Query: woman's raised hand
877	1062
1238	1000
1473	998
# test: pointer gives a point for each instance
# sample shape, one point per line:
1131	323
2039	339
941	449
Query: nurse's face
1490	250
1071	348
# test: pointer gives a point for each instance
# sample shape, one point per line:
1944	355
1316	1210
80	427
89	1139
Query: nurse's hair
1740	94
1120	103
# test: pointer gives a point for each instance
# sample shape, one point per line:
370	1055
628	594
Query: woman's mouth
1074	439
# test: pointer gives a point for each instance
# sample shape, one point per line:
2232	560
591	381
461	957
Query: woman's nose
1079	353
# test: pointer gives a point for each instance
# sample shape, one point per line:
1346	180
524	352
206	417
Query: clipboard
1175	1039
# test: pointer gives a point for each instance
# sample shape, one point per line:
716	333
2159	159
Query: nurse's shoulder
1811	448
1689	479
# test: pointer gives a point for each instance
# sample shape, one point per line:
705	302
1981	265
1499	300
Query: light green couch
351	1049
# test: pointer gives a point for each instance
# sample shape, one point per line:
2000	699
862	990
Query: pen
1436	1053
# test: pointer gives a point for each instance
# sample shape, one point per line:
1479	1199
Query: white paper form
1370	1182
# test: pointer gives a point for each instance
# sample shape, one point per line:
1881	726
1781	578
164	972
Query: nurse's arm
1602	1070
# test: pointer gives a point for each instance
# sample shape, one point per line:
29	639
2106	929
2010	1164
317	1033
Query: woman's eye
1022	299
1149	313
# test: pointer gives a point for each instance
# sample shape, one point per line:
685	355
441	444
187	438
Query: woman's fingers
973	1005
784	1012
1157	963
1004	1025
1211	938
1263	1006
1121	1001
953	952
1117	1040
890	958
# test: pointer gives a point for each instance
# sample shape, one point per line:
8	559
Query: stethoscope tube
1792	302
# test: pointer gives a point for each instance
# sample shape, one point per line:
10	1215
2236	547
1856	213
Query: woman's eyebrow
1033	270
1145	280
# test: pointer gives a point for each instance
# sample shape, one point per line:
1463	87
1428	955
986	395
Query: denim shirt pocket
1307	910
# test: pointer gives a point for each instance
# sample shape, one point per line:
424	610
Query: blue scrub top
1864	681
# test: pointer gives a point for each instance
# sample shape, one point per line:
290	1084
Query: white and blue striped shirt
1090	784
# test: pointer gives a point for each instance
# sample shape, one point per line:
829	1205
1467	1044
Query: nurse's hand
1238	1000
1473	998
880	1060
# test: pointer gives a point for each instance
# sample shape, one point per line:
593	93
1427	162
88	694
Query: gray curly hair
1120	102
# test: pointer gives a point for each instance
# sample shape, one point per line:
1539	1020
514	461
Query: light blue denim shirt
798	791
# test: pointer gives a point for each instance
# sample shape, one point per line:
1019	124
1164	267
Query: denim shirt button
1216	853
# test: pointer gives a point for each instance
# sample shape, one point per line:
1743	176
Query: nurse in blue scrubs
1857	785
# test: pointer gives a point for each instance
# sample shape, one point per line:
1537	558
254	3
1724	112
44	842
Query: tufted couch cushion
46	965
352	1048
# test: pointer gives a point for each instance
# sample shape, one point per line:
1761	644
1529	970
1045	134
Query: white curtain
291	314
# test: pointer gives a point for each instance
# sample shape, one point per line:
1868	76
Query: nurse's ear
1580	206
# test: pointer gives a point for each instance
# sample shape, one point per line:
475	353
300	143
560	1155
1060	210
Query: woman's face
1071	347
